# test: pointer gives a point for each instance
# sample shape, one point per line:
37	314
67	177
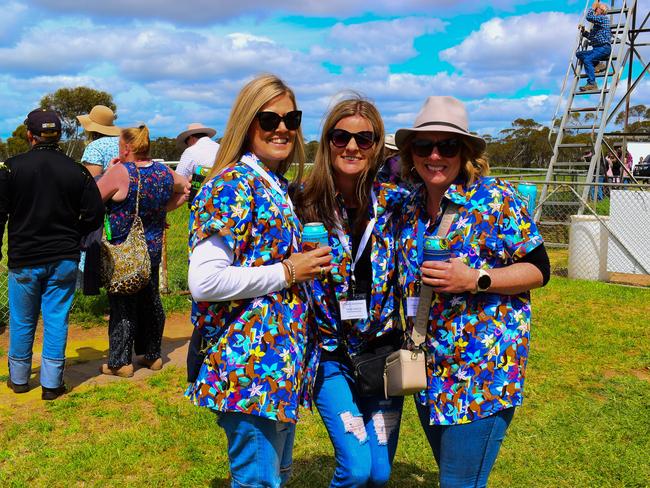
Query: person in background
137	321
390	170
199	150
600	38
50	201
245	276
479	322
104	141
359	215
198	156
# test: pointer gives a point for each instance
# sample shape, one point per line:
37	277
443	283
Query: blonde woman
359	216
245	276
137	321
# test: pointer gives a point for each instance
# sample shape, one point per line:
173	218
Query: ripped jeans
363	430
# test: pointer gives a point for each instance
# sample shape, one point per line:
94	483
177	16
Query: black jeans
136	321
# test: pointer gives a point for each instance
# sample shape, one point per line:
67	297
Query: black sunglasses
447	148
341	138
270	120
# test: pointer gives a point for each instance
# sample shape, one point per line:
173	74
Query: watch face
484	282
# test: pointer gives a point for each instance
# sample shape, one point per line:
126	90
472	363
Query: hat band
447	124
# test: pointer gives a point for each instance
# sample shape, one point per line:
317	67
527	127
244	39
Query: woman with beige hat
478	324
104	139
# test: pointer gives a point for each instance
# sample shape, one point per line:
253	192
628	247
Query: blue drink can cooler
314	235
528	193
436	249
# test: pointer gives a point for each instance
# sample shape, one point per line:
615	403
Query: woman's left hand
449	277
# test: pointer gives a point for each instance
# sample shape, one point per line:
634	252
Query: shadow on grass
317	471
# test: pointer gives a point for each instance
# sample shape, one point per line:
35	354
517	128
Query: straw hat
389	142
100	119
194	128
442	114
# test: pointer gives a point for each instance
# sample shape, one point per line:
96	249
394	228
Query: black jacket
50	201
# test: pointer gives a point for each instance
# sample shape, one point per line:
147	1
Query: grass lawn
584	422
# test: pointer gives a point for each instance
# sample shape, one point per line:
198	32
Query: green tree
310	151
165	148
70	102
523	145
17	143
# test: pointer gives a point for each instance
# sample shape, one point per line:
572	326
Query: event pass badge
355	308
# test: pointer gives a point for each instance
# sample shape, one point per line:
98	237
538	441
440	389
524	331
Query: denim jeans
465	453
363	430
260	450
50	289
592	56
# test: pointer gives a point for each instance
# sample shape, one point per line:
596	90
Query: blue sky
170	63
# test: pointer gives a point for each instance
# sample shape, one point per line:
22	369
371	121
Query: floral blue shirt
264	354
383	313
477	344
100	151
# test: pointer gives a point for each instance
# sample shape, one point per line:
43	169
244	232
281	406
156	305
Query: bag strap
137	198
419	332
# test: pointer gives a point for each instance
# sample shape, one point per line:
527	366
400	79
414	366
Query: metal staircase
580	121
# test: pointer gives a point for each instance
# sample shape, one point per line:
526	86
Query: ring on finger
322	272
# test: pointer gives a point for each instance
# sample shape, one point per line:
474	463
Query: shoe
589	87
52	393
125	371
152	364
600	67
17	388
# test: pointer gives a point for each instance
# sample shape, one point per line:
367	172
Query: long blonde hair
316	201
138	139
252	97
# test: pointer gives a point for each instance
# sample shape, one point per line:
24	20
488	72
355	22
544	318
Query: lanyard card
412	306
354	308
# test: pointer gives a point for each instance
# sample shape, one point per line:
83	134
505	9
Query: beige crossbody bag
405	371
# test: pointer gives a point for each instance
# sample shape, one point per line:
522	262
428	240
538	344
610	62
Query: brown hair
316	201
138	139
252	97
473	162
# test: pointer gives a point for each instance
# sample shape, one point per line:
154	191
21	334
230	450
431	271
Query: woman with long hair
135	183
246	275
478	324
355	307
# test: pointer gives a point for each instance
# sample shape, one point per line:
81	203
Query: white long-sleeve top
212	277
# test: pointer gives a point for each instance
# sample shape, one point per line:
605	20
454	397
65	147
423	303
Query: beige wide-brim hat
100	119
389	142
441	114
194	128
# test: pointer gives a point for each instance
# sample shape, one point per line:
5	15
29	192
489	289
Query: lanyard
345	240
251	161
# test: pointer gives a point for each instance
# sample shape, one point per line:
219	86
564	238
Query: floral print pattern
156	188
383	313
262	361
477	344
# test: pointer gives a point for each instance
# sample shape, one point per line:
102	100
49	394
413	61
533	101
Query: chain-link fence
604	227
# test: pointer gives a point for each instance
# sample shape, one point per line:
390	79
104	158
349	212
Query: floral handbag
126	267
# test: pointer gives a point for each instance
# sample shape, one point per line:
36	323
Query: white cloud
375	43
537	44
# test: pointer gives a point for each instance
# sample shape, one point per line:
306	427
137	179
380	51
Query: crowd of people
279	325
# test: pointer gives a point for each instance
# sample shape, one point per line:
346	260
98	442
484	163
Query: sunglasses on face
270	121
341	138
447	148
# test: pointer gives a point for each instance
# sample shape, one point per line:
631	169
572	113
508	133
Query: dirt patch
629	279
642	374
86	350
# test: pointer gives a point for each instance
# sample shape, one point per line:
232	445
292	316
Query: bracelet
292	271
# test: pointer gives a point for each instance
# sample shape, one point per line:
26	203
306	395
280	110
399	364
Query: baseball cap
43	122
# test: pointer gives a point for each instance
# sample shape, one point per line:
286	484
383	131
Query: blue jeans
592	56
465	453
363	430
50	289
259	450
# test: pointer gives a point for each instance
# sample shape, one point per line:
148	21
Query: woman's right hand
311	264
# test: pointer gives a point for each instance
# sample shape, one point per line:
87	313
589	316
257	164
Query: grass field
584	422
